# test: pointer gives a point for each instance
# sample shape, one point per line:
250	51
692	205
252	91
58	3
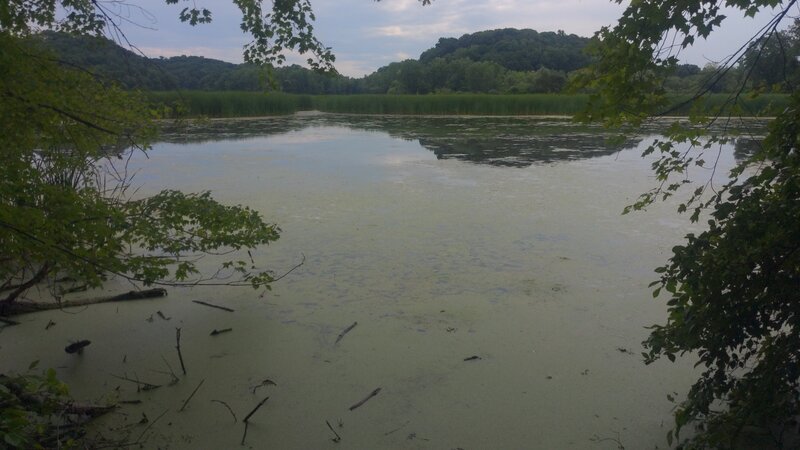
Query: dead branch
17	307
178	346
247	418
371	394
224	308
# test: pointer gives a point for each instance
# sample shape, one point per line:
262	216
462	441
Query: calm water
444	238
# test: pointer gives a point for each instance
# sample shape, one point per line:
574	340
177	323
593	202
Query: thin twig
255	409
171	372
248	417
229	409
292	269
178	346
192	395
200	302
145	386
397	429
346	330
337	438
150	425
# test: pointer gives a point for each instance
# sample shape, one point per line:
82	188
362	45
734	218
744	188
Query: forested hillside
512	49
506	61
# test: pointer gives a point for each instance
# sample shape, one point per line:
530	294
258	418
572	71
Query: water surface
444	238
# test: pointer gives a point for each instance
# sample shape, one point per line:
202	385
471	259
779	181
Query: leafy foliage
29	405
732	289
65	207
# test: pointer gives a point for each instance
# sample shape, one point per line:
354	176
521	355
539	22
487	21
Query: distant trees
774	60
499	61
505	61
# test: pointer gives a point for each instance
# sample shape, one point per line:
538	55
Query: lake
500	296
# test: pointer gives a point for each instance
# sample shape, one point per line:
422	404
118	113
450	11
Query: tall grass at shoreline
251	104
229	103
452	104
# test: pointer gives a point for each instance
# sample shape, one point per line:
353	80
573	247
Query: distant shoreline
242	104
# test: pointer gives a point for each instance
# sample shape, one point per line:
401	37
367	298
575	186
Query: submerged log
77	347
17	307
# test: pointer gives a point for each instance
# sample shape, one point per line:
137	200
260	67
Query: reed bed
229	103
452	104
251	104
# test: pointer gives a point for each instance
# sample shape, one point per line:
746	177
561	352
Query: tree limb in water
18	307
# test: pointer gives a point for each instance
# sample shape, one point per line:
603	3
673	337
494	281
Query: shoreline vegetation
229	104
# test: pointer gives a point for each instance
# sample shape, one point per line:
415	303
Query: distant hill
496	61
517	50
109	60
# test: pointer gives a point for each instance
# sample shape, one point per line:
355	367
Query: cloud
366	35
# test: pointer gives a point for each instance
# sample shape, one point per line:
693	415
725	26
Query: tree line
506	61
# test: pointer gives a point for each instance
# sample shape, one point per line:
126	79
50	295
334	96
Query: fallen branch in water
247	418
88	410
18	307
192	395
371	394
178	346
345	331
211	305
8	322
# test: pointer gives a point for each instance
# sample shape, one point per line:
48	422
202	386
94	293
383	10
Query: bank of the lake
255	104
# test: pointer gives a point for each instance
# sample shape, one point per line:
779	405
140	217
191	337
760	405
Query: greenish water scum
443	239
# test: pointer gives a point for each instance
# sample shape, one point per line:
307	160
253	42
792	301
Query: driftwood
17	307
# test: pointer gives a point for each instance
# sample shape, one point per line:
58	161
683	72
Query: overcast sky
366	35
